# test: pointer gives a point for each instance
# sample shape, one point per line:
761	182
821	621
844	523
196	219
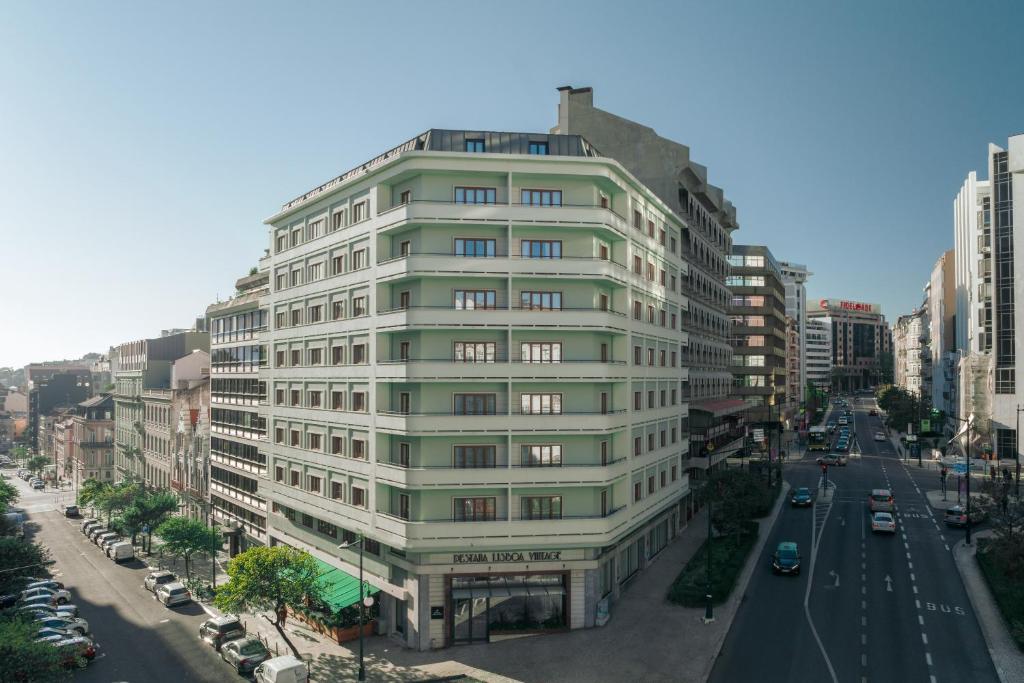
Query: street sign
960	468
926	426
759	435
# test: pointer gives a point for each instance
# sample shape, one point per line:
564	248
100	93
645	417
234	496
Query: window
359	355
403	351
279	435
279	474
474	509
359	306
337	355
282	242
638	310
337	490
280	319
313	484
360	259
541	197
359	401
315	271
359	449
405	197
474	404
650	228
637	400
338	265
358	497
404	248
542	507
403	454
474	352
296	397
279	397
674	472
296	277
637	491
638	220
337	446
281	281
650	484
538	148
540	249
540	404
472	457
296	236
541	352
313	229
475	195
296	358
650	442
664	476
313	399
338	220
314	314
542	456
469	299
296	316
477	248
638	357
295	478
360	211
650	356
638	265
337	310
541	301
326	528
474	145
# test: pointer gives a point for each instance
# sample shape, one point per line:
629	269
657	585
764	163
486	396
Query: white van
286	669
122	552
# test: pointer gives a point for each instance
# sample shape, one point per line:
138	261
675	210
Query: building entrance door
469	620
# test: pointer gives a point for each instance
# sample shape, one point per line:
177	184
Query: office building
476	364
237	431
942	334
860	340
794	278
912	353
819	352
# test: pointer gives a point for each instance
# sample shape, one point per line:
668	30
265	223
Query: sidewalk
1007	658
647	638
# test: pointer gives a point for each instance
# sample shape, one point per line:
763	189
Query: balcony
451	265
449	316
445	476
448	422
420	369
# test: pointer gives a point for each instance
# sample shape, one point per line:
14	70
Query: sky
142	144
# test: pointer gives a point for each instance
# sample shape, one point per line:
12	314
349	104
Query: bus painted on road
817	439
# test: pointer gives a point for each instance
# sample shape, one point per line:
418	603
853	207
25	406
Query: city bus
817	439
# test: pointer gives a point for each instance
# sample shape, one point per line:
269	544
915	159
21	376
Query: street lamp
967	488
364	602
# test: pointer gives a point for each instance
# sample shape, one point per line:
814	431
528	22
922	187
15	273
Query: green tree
184	537
1006	513
735	497
118	498
262	579
36	463
19	557
130	521
8	495
91	491
22	659
156	509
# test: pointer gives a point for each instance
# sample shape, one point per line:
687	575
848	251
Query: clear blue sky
142	147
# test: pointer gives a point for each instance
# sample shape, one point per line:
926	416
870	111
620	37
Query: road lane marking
912	576
863	604
910	565
164	621
863	639
863	660
920	620
863	590
863	621
928	658
924	637
915	589
810	582
918	603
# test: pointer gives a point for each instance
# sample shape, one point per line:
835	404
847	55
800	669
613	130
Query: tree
184	537
130	521
276	578
36	463
91	491
8	495
22	659
156	508
735	496
19	557
1006	512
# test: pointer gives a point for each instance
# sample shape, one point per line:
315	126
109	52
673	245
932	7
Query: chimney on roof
578	96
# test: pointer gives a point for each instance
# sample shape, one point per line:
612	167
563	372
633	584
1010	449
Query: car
87	524
38	486
77	651
801	497
786	559
100	539
957	516
66	610
36	600
172	594
828	459
107	540
843	421
71	511
842	445
57	595
879	436
72	624
96	531
873	412
43	583
50	638
7	601
121	552
158	578
881	500
841	459
883	522
244	654
218	630
47	632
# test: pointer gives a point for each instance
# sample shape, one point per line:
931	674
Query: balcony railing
499	359
449	413
501	255
502	463
499	307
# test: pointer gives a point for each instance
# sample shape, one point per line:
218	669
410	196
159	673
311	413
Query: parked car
71	511
107	540
72	624
96	531
245	654
121	552
87	524
57	595
76	652
60	633
879	436
956	516
36	600
284	669
65	610
786	559
156	579
7	601
38	485
801	497
883	522
218	630
172	594
100	539
881	500
43	583
873	412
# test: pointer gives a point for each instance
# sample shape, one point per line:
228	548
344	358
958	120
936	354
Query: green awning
341	589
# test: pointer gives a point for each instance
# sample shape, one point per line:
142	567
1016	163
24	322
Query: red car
76	652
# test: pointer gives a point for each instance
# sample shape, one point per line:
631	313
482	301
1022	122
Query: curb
732	604
1006	657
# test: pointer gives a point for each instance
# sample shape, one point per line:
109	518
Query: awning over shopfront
720	407
341	589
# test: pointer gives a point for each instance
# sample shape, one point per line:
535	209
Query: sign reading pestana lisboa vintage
841	305
509	556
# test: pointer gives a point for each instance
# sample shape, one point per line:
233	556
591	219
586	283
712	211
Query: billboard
845	305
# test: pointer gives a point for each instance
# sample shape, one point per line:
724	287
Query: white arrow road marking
836	577
888	583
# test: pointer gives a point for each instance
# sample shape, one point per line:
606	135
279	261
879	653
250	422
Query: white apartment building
942	334
818	355
911	352
476	364
794	278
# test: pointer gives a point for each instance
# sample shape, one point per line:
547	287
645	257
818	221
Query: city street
865	607
139	639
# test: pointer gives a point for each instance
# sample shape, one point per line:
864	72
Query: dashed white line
915	589
924	638
928	658
912	576
863	577
910	565
863	565
863	660
946	546
917	603
863	590
863	621
906	545
863	604
920	620
931	679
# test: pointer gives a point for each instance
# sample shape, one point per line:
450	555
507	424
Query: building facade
758	317
794	277
476	363
860	340
942	334
142	404
912	353
52	390
819	352
93	435
189	443
237	430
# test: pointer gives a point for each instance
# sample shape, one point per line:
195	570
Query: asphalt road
865	607
140	640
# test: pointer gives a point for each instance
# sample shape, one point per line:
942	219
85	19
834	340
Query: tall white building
911	352
478	363
819	352
942	334
794	276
